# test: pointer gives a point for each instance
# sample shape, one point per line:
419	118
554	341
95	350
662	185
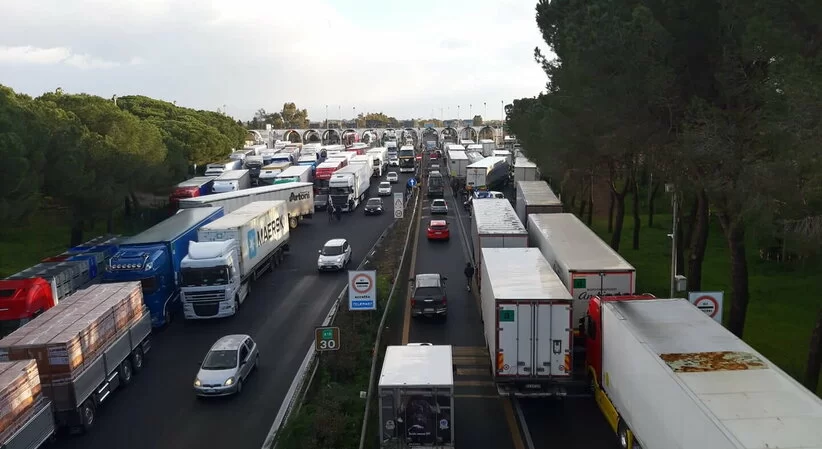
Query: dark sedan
374	206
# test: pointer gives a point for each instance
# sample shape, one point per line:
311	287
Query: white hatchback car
384	188
334	256
392	177
226	366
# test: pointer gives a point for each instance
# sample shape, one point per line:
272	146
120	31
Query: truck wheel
125	372
88	414
239	386
167	317
292	222
236	304
622	434
137	359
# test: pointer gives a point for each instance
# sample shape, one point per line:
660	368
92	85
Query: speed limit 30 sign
326	339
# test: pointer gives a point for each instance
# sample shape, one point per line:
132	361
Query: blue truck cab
153	257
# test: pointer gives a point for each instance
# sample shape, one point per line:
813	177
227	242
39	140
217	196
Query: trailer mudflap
35	432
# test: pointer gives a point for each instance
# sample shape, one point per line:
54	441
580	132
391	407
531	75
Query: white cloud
57	55
248	54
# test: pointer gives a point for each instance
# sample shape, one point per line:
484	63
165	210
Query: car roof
439	200
229	342
335	242
384	182
438	223
375	198
428	280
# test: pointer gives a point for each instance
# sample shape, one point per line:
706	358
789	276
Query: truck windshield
195	277
339	190
222	359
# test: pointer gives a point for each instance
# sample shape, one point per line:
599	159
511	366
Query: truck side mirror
444	278
319	251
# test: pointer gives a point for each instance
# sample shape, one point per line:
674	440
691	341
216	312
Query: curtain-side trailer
587	265
526	312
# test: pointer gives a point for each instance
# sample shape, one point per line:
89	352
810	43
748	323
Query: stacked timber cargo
20	391
69	336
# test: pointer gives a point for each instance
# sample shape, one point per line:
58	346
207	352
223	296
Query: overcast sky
404	58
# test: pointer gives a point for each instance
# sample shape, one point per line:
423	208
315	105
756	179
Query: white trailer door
552	328
508	338
525	339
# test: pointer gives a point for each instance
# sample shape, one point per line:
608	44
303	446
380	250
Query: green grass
48	233
782	306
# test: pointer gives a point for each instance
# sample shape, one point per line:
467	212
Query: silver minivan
226	366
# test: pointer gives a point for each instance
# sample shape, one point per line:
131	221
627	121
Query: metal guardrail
376	352
303	379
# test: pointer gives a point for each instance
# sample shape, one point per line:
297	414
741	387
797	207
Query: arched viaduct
349	135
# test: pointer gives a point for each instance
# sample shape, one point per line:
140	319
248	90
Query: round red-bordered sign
362	283
707	304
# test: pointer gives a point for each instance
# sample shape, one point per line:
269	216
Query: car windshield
332	250
221	359
438	203
385	184
374	202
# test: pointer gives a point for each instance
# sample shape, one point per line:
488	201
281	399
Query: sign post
362	290
708	302
326	339
399	208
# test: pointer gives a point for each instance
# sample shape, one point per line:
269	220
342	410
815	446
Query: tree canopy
90	154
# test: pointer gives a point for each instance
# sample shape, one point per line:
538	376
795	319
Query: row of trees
292	117
93	155
721	98
288	117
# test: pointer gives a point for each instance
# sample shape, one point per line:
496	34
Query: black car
428	297
374	206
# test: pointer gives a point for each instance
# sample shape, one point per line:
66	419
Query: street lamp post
326	116
670	188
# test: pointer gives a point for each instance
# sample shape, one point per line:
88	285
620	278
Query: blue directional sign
412	182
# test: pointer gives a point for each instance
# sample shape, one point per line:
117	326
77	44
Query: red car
438	230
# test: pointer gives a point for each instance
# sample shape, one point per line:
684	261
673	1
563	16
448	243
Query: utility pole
326	116
670	188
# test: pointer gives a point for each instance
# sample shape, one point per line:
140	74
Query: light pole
670	188
458	113
326	116
484	110
355	115
470	112
339	116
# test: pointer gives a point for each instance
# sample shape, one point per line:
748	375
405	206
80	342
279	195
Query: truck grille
206	308
214	295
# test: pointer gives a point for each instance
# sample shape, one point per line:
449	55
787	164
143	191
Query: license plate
438	233
429	310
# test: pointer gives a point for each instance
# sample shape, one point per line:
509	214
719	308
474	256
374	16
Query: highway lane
570	423
481	418
159	409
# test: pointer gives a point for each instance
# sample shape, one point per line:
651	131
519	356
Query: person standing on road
330	212
338	212
350	205
469	275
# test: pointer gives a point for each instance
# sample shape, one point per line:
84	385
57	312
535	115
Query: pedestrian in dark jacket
469	275
330	209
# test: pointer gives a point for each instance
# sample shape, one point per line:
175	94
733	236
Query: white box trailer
486	173
525	170
298	195
366	159
349	184
495	225
488	147
526	313
504	154
477	148
587	265
457	163
231	181
678	379
536	197
380	155
249	241
416	391
295	173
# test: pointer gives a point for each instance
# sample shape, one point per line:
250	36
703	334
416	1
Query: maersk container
298	195
526	312
525	170
536	197
495	225
258	228
587	265
672	377
416	390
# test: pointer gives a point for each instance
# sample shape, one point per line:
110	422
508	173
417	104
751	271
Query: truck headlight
197	382
229	382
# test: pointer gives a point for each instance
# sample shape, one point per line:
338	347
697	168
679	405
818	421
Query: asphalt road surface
481	418
159	409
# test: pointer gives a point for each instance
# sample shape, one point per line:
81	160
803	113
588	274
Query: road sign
326	339
362	290
412	182
398	205
708	302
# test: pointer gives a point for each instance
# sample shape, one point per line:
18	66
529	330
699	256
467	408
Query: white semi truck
457	163
230	253
295	173
416	390
525	170
380	155
495	225
585	264
299	196
487	173
367	159
232	181
488	147
350	185
666	375
535	197
526	311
